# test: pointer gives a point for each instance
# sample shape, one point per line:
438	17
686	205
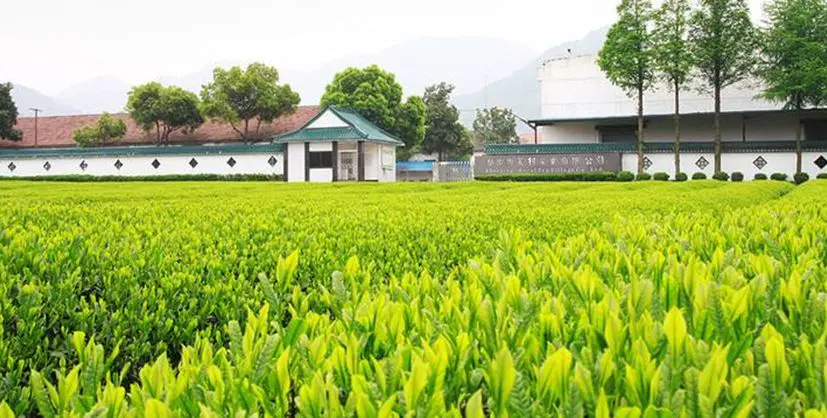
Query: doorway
347	166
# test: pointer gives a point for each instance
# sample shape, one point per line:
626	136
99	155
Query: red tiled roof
56	131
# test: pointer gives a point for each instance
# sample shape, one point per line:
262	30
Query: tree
444	134
107	129
495	126
673	56
8	114
377	96
724	45
241	96
794	58
167	109
627	58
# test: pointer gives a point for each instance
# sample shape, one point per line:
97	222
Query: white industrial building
583	112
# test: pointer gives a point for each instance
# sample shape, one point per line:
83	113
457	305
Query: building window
618	133
815	130
322	159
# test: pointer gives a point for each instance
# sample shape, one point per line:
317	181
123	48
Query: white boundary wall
776	162
257	163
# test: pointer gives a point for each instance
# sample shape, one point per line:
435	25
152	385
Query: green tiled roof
358	129
653	147
128	151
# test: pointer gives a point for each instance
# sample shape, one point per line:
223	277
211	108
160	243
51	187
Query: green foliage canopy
8	114
167	109
241	96
106	129
444	134
495	126
794	53
672	55
725	47
377	96
627	57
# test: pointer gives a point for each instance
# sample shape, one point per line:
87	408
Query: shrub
779	176
643	176
822	176
737	176
721	176
599	176
801	178
699	176
661	176
625	176
760	176
681	177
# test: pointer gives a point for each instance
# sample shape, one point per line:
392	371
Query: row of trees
714	46
242	98
246	98
428	124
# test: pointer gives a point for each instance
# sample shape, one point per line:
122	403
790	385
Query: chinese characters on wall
547	163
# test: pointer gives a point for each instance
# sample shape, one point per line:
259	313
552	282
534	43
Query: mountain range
486	72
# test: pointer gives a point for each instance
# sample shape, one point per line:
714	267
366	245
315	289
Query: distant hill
100	94
521	90
26	98
468	63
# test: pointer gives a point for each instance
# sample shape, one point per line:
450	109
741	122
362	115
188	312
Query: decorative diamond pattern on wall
47	166
118	164
821	162
193	163
231	162
156	163
702	163
272	161
760	162
83	165
12	166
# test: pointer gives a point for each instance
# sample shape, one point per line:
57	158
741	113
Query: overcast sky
52	44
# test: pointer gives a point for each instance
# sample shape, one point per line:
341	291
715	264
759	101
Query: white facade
743	162
576	88
578	98
581	106
380	162
184	164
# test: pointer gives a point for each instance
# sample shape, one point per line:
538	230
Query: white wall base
143	165
776	162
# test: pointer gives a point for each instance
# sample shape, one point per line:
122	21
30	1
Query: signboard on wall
546	163
388	157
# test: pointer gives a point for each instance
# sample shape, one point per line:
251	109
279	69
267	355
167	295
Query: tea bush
487	299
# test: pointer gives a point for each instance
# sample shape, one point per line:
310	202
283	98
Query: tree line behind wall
716	45
246	98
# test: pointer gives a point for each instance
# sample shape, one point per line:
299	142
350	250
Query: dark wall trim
360	151
335	161
285	165
306	161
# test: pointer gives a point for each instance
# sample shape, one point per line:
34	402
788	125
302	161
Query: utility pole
36	111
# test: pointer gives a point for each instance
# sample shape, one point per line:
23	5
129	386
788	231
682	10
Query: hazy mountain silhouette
100	94
486	73
26	98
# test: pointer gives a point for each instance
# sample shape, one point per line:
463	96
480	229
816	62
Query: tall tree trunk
157	133
246	129
677	127
640	131
717	128
798	135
